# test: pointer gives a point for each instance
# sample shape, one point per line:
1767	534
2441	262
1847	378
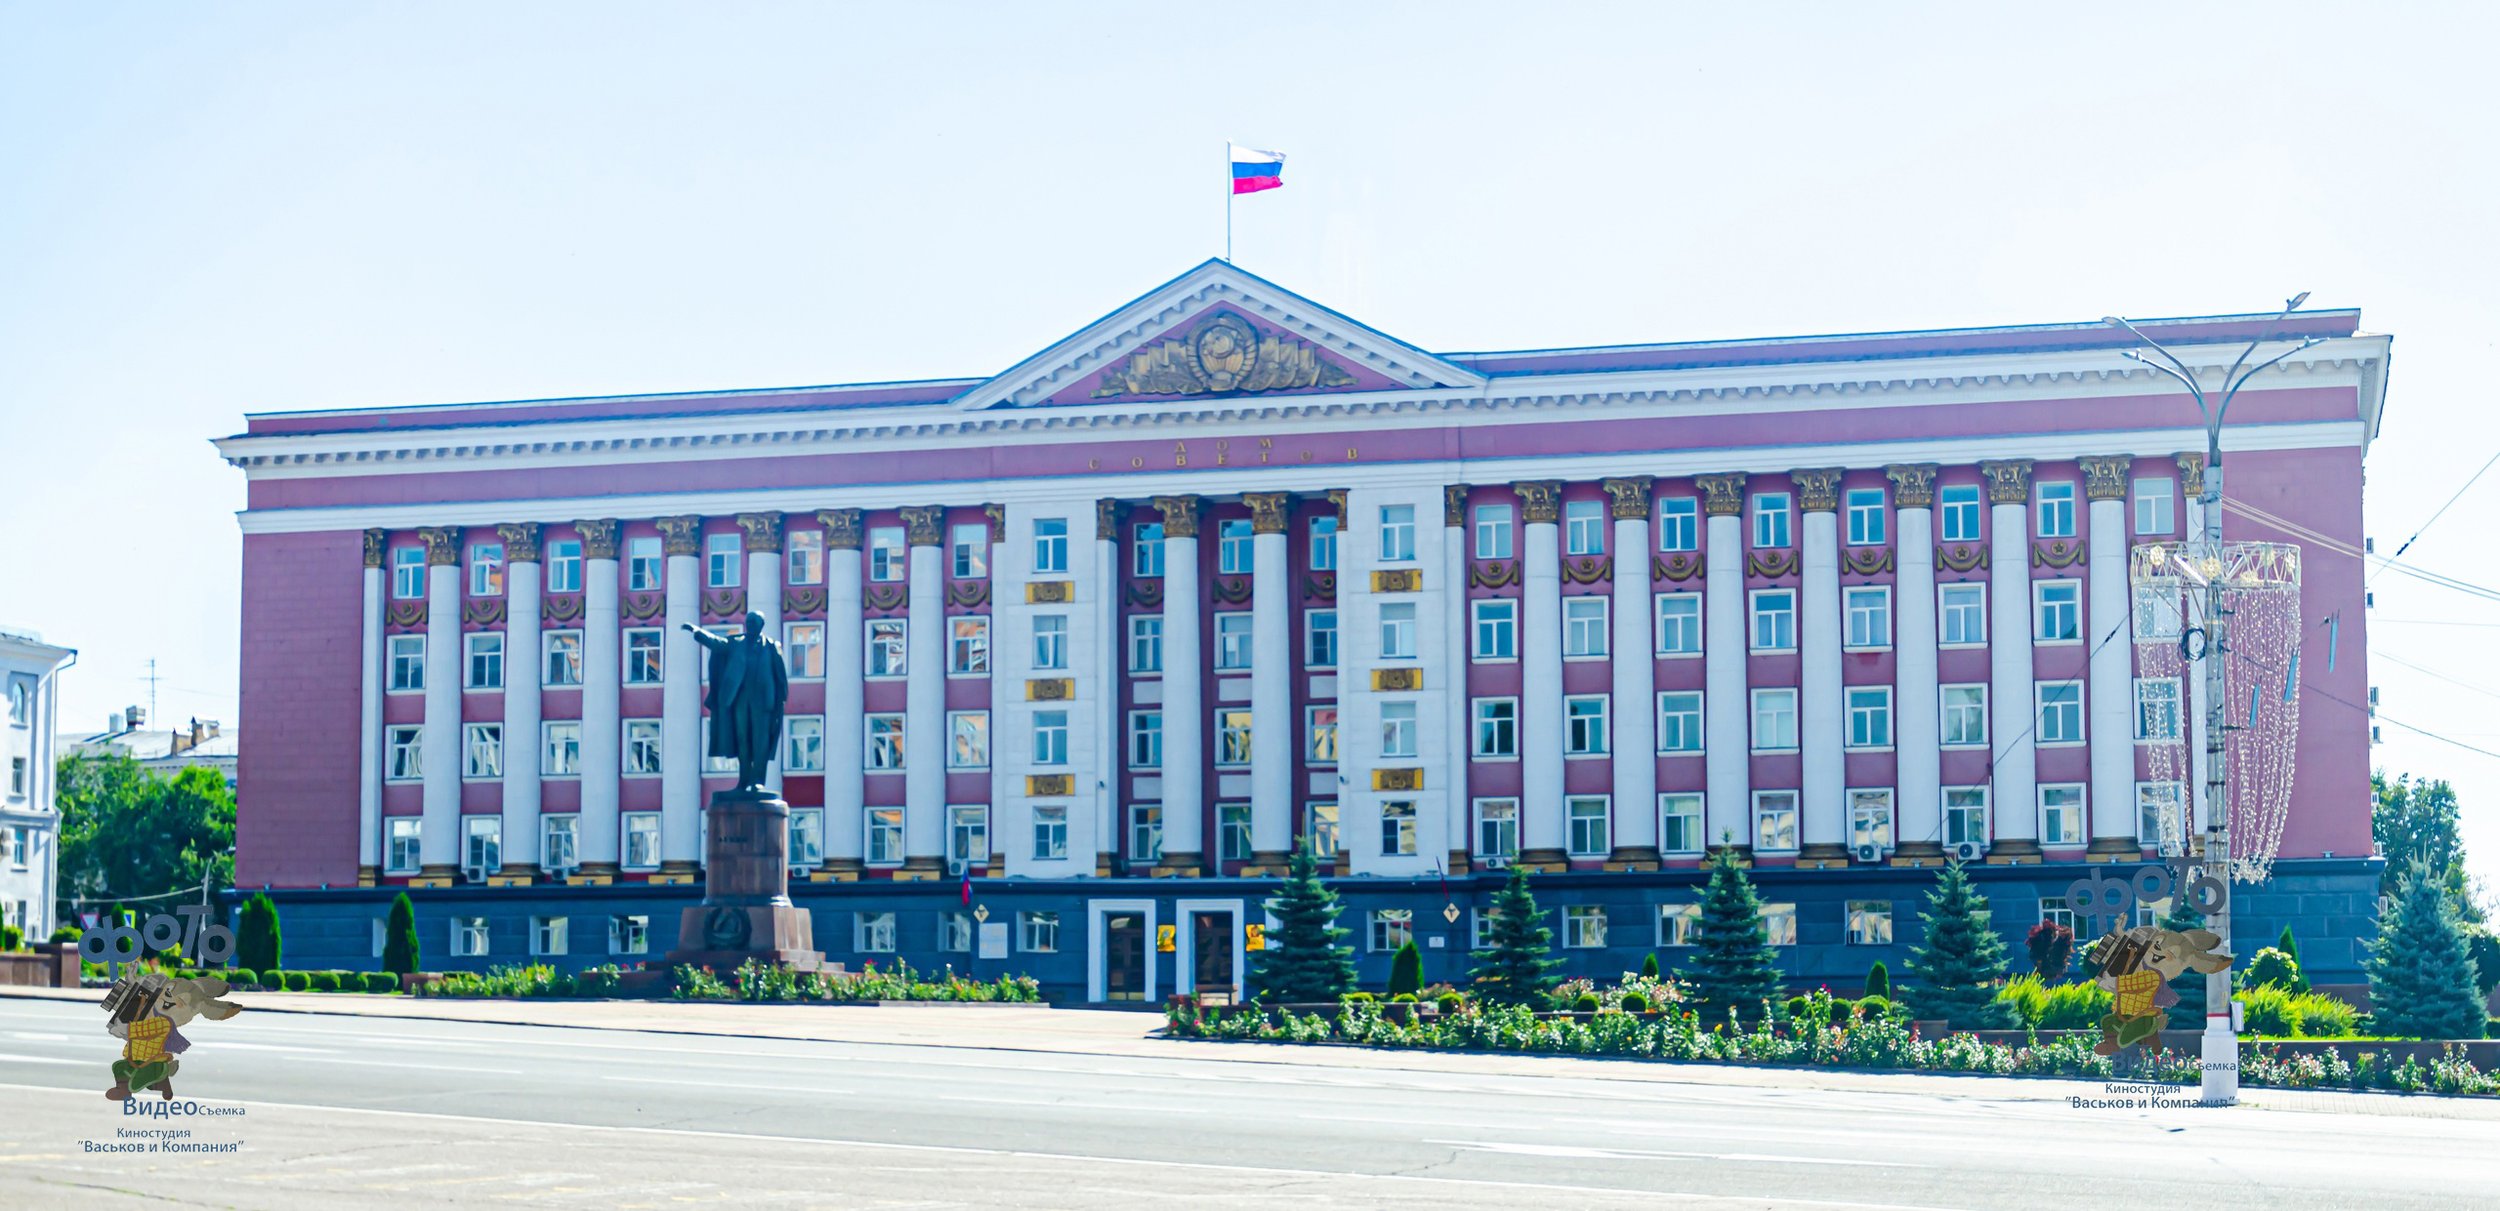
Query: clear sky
206	211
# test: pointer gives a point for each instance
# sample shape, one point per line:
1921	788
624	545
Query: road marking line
326	1059
40	1059
1584	1152
39	1036
712	1084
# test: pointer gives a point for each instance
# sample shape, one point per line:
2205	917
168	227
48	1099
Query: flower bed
753	981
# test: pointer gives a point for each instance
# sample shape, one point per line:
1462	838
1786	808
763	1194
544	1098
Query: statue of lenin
749	686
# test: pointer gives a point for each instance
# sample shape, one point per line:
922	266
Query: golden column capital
442	545
376	544
1722	493
1818	488
1454	504
997	515
1267	511
520	541
1338	497
924	525
2009	480
1913	485
2105	475
1540	500
598	538
682	535
1107	515
841	528
762	531
2192	473
1180	516
1628	496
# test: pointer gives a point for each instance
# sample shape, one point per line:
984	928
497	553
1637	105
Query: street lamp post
2220	1060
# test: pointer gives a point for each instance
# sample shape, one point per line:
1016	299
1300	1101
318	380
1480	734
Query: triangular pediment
1216	333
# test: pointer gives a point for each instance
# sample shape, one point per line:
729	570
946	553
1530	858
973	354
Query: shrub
1649	965
381	981
1587	1002
11	937
1794	1006
1406	972
66	933
257	942
597	981
2274	1010
1879	982
2491	1030
1874	1009
299	981
2052	948
400	951
2291	946
2076	1006
2272	968
323	981
241	977
1451	1002
1634	1002
1357	998
1402	998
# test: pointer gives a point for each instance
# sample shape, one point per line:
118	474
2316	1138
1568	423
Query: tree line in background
132	838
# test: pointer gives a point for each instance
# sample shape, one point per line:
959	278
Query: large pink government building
1097	641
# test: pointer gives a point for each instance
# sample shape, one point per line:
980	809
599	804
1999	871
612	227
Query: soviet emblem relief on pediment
1221	354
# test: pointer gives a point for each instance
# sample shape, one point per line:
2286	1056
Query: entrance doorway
1211	936
1124	956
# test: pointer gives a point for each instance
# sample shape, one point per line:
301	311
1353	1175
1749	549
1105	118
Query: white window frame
641	736
629	934
646	564
1496	832
1234	547
1866	618
481	752
1588	725
889	554
1233	641
1050	546
1679	925
1135	731
550	936
872	932
1868	922
1946	612
1050	832
1774	526
804	557
1588	825
564	565
633	825
1037	932
1401	730
1674	719
1584	926
1050	739
1679	617
1400	826
2071	815
562	663
1584	527
1870	705
1398	631
724	561
1050	643
1319	653
1324	543
2160	492
1320	740
1682	806
1960	508
1968	820
1397	533
873	726
881	842
1866	517
806	657
968	740
408	573
2053	508
2049	737
1871	816
872	637
1232	737
1585	626
486	569
1768	807
1944	714
404	753
967	645
1492	618
803	745
1145	832
403	851
1757	617
1679	523
2045	613
1145	645
968	550
2168	694
560	748
482	661
657	651
469	937
407	663
1502	716
1769	696
1494	531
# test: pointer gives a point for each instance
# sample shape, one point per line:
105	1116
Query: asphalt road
355	1112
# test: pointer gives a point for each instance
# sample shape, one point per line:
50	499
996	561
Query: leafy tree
1406	969
1517	968
1649	965
1305	959
2422	978
2417	821
1879	981
400	952
1958	966
2290	946
2052	948
1733	966
2485	947
257	943
127	831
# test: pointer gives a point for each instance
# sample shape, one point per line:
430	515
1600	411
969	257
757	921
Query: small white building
167	751
29	822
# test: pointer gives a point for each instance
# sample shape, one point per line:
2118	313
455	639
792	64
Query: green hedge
381	981
299	981
241	977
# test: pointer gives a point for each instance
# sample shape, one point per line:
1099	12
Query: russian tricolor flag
1254	170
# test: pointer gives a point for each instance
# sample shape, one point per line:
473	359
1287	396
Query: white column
1635	665
603	671
1185	719
2014	801
924	697
1110	649
523	582
1542	839
762	535
1727	722
2110	693
1458	746
846	641
1271	682
440	842
681	699
1918	774
1821	723
369	737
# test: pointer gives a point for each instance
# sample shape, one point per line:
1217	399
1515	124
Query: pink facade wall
303	610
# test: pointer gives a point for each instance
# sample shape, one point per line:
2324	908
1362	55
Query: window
1584	725
1319	639
955	932
1323	544
1050	833
1397	630
1678	924
1320	726
885	742
559	842
1870	922
486	570
2061	712
481	850
643	656
1584	926
1493	531
483	652
1962	615
1866	517
1584	527
564	565
1965	716
642	563
1050	642
1397	729
1145	832
562	756
1050	545
481	750
887	556
1497	828
1774	620
1145	643
562	652
403	853
2055	509
1397	827
968	835
1146	553
1232	641
1775	820
1966	815
1586	815
1770	520
1391	928
2156	708
1232	736
1960	506
803	645
407	663
641	840
17	777
2160	814
21	700
1679	823
1037	932
1233	547
1679	523
806	549
968	739
1774	720
629	935
886	656
1584	627
1397	533
1679	721
468	937
549	936
642	746
1232	832
2061	814
2056	611
1869	610
1679	624
408	572
722	561
407	753
2057	912
968	554
1496	728
1319	823
1870	818
1145	739
873	932
1050	737
885	836
2159	614
1779	924
968	645
1496	628
1870	716
2153	507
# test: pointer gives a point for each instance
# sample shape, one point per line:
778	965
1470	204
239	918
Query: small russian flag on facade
1254	170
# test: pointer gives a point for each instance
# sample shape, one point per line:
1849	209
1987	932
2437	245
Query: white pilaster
1458	746
369	736
1271	681
1110	647
681	700
603	671
2014	802
1821	723
1542	838
924	698
2110	693
1918	774
1635	665
1185	719
522	668
845	693
440	842
1727	714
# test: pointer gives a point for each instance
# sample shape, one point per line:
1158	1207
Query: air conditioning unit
1493	861
955	867
473	874
1870	853
1969	851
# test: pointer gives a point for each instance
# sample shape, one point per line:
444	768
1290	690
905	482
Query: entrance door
1124	957
1211	936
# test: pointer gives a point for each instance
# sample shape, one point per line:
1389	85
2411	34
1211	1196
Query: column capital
1267	511
2009	480
2105	475
375	543
1337	497
1454	504
841	528
1818	488
442	545
1723	493
1180	516
2192	473
520	541
598	538
681	535
1107	514
924	525
762	530
1629	496
997	515
1540	500
1913	485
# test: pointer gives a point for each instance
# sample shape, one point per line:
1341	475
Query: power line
2417	533
2441	676
2430	622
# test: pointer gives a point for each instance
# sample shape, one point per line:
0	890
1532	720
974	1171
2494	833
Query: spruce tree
400	953
1305	959
1649	965
1958	966
1733	967
2189	1013
1406	970
2291	946
1518	967
257	944
1879	981
2422	977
